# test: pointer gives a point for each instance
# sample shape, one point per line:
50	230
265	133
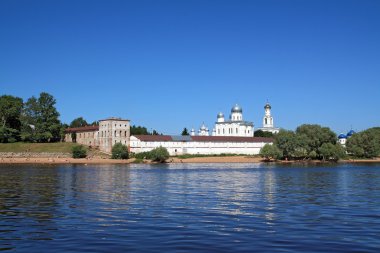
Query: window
125	134
115	133
236	130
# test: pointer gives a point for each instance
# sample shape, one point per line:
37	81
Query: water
180	208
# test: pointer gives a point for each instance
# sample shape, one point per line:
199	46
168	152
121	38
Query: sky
168	65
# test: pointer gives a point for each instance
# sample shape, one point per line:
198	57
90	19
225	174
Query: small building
342	138
109	132
210	145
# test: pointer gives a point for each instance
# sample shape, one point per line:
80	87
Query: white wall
193	147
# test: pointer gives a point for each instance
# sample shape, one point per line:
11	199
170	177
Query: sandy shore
62	161
224	159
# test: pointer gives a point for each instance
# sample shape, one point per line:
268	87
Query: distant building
109	132
342	138
235	126
268	124
179	145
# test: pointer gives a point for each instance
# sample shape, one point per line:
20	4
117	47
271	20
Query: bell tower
268	119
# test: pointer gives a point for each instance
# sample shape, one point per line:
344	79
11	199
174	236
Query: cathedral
236	126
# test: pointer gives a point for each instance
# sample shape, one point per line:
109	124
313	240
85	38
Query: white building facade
211	145
268	124
235	126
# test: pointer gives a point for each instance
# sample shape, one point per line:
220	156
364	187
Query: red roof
204	138
154	137
82	129
230	139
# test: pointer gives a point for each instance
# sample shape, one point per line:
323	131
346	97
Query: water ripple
190	207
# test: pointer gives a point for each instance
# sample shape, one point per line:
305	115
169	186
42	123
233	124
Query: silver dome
267	106
220	115
237	108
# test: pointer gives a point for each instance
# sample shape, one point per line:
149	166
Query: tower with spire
268	125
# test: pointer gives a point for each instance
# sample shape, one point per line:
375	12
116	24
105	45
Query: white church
236	126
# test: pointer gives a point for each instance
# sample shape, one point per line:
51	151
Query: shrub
79	151
159	154
329	151
270	151
119	151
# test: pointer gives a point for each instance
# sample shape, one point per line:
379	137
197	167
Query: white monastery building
179	145
232	136
235	126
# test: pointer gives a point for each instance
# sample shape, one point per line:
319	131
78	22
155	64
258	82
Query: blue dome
351	132
342	136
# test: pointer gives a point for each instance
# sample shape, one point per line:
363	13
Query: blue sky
173	64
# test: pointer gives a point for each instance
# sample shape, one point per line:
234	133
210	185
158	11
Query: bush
160	154
119	151
79	151
270	151
332	152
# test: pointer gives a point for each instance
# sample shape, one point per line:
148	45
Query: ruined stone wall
112	131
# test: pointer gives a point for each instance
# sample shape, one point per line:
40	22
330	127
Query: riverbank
99	160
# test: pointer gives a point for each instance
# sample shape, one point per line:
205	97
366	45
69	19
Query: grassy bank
59	147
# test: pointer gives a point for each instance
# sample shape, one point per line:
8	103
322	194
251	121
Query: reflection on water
190	207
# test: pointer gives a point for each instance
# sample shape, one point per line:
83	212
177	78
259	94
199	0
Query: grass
18	147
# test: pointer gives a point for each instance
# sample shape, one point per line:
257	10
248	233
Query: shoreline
174	160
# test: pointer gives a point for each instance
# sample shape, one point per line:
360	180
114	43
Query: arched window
115	134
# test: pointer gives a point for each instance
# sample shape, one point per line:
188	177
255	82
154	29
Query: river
190	207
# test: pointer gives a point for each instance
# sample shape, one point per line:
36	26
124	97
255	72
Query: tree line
316	142
36	120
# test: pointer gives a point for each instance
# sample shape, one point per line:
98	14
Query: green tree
316	135
62	131
120	151
159	154
78	122
10	112
138	130
41	119
261	133
329	151
270	151
185	132
79	151
293	146
365	144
